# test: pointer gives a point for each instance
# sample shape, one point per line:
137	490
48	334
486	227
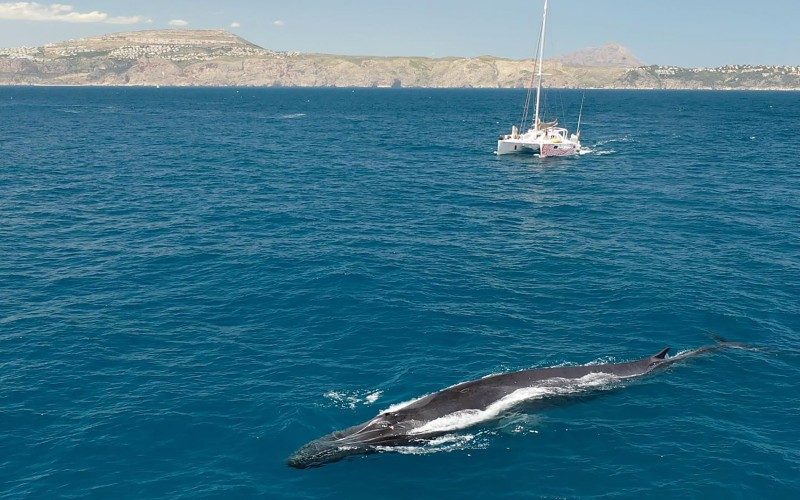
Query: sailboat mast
541	63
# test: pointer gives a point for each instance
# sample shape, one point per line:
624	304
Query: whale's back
479	394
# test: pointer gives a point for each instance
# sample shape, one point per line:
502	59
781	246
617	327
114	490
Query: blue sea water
194	283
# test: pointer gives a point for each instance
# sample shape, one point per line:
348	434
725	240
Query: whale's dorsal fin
662	354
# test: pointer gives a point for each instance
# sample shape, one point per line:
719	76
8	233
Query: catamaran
544	138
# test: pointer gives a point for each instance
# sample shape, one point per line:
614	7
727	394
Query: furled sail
546	125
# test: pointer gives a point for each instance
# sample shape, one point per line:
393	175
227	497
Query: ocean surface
194	283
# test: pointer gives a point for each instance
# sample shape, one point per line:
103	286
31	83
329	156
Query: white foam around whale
398	406
448	442
351	399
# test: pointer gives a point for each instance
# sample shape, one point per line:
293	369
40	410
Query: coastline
385	88
217	58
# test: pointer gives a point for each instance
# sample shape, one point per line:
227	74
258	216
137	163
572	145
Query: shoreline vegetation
217	58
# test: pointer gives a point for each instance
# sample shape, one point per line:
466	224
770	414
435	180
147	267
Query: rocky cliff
219	58
611	55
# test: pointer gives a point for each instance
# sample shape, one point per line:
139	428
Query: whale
467	403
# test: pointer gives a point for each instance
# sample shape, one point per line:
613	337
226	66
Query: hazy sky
680	32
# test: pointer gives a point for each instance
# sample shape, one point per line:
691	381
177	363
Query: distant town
764	70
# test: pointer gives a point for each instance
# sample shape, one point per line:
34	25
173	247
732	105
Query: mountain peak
609	55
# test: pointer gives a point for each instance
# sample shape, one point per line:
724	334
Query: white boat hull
552	141
514	146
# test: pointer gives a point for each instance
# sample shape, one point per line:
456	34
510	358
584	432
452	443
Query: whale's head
323	451
383	430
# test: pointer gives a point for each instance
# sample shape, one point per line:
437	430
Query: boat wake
624	138
604	152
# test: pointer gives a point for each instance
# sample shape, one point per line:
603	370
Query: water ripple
186	274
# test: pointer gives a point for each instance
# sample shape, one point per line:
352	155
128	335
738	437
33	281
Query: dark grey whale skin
393	428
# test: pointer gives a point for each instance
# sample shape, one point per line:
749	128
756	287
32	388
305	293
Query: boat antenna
580	115
541	64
